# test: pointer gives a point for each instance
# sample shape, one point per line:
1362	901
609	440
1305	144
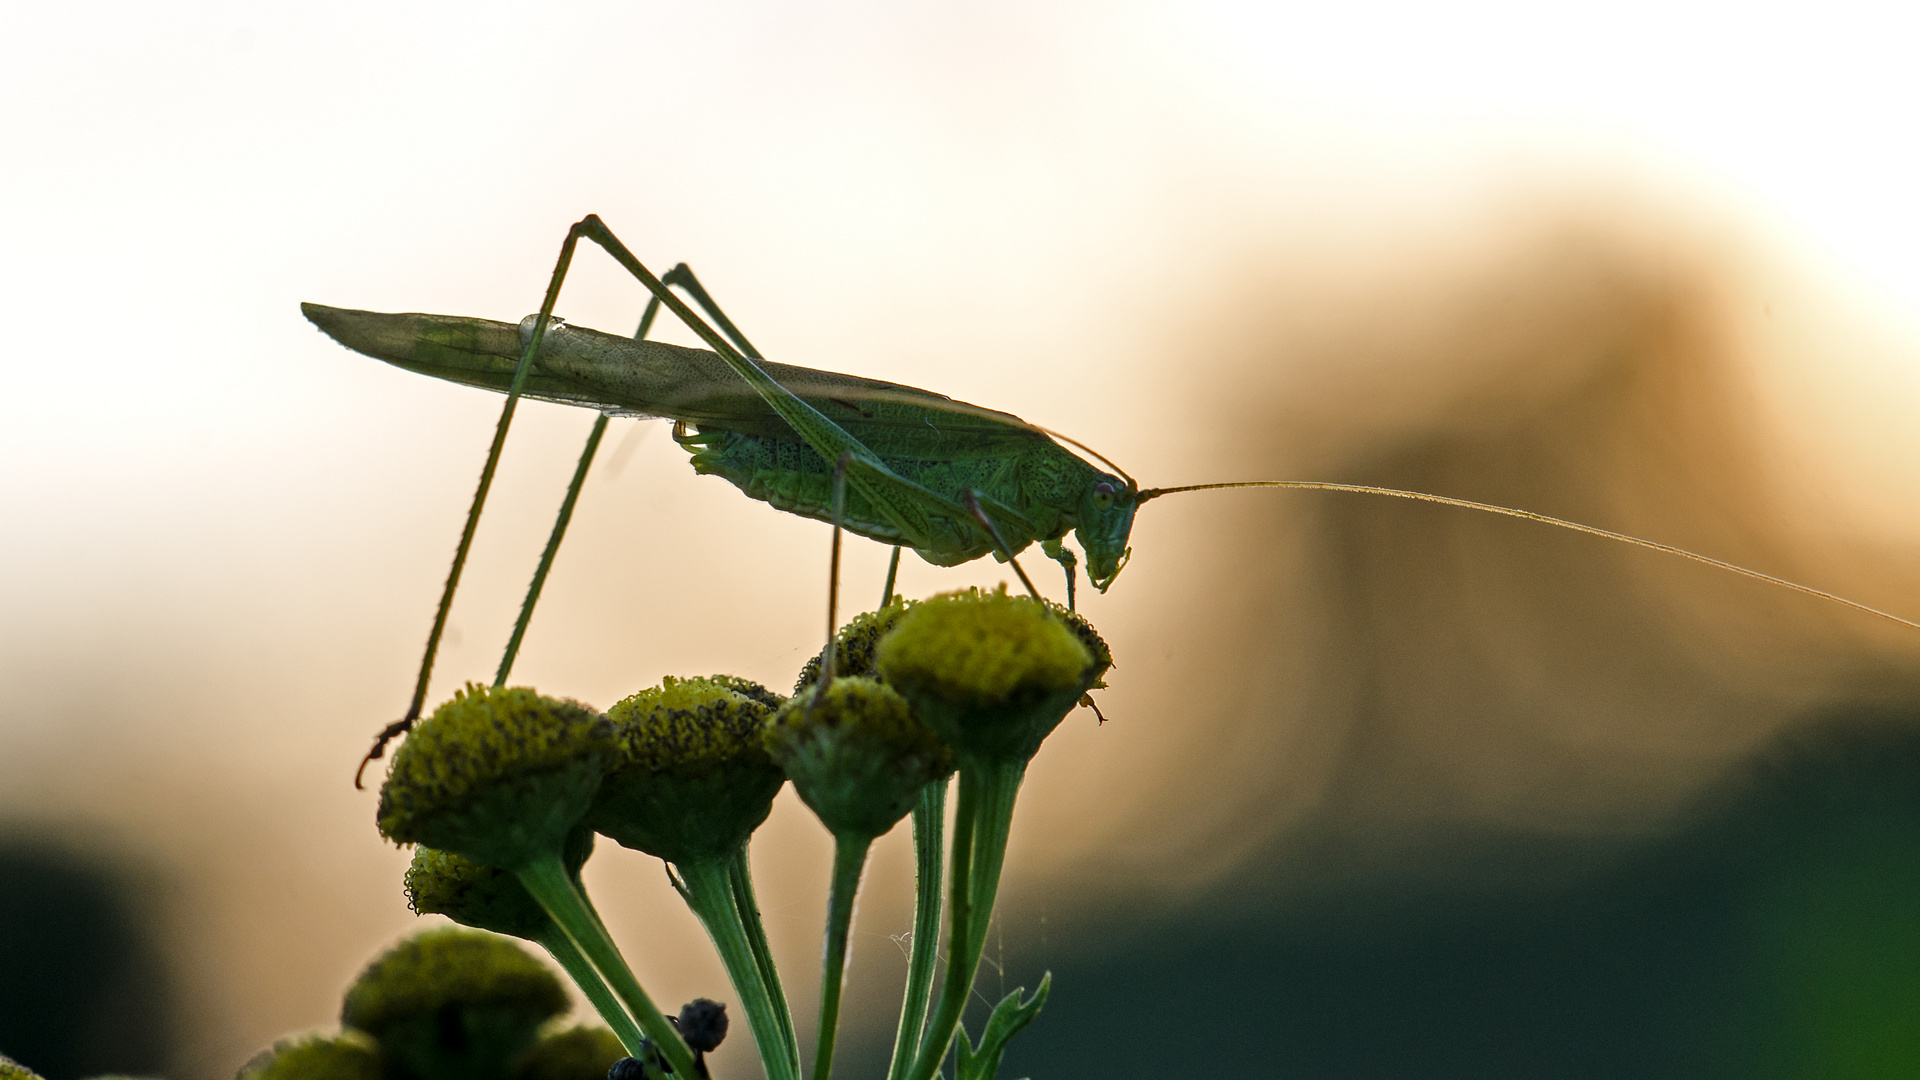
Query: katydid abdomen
789	475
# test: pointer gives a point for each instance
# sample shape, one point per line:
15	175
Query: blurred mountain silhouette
83	988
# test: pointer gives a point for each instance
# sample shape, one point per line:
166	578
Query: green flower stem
709	892
953	994
547	880
849	859
981	824
929	843
993	825
576	964
747	906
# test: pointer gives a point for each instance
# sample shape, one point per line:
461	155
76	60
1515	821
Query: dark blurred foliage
83	989
1774	932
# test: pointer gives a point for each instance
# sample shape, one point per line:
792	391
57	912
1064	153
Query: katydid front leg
1068	561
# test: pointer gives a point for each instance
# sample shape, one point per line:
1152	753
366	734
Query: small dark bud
647	1065
628	1069
703	1023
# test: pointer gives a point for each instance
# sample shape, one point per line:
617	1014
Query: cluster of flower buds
503	791
448	1004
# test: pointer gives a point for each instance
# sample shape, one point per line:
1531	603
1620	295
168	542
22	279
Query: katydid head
1103	523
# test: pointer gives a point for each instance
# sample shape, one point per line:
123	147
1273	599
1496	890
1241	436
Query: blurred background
1388	790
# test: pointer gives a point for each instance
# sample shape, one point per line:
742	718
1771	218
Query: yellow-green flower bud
857	756
454	1003
748	688
13	1070
693	780
498	775
991	674
349	1056
486	897
579	1053
1095	644
853	645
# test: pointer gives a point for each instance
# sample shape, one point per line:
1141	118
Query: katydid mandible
950	480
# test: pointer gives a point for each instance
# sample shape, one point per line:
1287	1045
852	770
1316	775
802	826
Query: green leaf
1009	1017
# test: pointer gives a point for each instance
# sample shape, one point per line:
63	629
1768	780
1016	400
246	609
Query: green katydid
950	480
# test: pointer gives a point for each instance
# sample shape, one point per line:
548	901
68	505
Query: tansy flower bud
502	777
857	756
454	1003
991	674
579	1053
497	775
853	646
13	1070
486	897
489	898
349	1056
693	780
692	785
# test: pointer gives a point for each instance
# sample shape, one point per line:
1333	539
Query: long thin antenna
1528	515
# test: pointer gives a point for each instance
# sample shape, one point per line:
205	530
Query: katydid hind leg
908	506
558	534
520	373
681	277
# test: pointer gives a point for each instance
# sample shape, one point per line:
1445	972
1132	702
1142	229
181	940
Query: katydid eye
1103	495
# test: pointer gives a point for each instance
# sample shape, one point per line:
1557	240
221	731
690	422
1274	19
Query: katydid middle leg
560	523
682	276
972	500
893	575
